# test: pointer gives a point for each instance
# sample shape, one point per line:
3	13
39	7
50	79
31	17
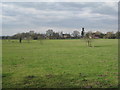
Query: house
66	36
31	32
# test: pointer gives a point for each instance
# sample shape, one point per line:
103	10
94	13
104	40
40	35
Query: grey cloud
62	15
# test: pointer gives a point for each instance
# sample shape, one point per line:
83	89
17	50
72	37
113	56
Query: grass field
60	64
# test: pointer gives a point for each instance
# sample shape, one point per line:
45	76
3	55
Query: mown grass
60	64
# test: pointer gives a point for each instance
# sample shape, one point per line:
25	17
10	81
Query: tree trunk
20	40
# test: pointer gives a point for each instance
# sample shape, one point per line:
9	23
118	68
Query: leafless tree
40	38
89	38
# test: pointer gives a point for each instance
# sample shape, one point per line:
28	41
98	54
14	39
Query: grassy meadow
60	64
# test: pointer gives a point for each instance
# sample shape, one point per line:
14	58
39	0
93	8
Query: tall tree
110	35
82	33
76	34
117	34
49	33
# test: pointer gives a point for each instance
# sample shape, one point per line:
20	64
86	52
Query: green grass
60	64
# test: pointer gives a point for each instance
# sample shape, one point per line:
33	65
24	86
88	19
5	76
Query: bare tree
28	38
89	38
40	38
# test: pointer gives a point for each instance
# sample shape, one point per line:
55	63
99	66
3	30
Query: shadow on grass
102	46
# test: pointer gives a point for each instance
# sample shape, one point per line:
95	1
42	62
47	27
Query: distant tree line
50	34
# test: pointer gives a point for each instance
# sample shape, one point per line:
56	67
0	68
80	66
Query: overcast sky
60	16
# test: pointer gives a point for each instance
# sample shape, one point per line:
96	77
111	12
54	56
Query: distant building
31	32
96	36
66	36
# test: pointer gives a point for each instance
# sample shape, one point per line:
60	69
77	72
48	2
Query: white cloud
8	18
113	5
